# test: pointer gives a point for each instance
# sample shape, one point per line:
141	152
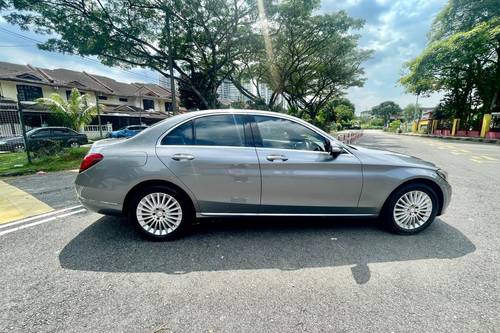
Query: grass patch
15	164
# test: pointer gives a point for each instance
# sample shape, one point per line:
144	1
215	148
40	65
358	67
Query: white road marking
54	212
24	226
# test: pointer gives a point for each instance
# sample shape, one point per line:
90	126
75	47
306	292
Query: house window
168	106
148	104
123	99
103	98
29	93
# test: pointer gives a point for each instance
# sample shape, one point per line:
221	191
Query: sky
395	29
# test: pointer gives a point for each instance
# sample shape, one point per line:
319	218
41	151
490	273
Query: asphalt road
89	273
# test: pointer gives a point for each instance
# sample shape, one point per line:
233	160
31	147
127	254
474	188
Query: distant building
228	92
366	114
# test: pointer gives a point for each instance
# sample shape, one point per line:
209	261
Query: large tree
307	57
208	36
461	59
386	110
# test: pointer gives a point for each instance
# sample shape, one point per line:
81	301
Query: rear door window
181	135
223	130
218	130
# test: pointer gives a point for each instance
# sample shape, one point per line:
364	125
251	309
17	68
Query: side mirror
334	149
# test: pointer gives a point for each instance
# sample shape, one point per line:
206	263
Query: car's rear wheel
411	209
160	213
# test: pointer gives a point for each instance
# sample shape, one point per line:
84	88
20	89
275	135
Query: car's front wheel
160	213
411	209
18	148
74	144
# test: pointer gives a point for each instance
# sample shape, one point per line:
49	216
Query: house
120	104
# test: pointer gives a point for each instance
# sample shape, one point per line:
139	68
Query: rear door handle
276	157
183	157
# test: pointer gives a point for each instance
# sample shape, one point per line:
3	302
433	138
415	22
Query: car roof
52	127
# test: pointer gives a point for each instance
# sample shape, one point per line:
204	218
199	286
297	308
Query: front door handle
276	157
182	157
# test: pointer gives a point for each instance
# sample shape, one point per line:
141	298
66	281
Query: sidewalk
461	138
27	196
16	204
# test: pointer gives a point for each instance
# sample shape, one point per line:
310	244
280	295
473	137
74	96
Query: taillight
89	161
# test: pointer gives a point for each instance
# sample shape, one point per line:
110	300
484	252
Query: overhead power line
18	35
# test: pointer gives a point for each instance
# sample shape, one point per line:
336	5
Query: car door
214	157
60	135
298	175
41	135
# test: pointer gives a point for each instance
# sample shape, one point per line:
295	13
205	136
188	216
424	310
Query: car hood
378	156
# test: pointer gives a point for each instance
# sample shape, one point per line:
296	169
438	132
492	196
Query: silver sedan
254	163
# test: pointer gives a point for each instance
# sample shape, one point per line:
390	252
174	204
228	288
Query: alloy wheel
412	210
159	213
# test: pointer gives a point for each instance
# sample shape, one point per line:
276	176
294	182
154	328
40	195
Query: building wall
8	89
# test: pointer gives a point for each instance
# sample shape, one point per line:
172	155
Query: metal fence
94	132
10	123
350	137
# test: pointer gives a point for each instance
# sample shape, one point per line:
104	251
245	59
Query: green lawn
15	164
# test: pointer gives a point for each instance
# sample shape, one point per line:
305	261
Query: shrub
395	126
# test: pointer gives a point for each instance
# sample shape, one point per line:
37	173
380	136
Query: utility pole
171	66
98	113
142	105
23	128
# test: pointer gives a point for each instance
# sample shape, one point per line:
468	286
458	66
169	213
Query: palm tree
76	111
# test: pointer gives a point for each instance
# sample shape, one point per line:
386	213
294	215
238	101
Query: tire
417	206
74	144
159	224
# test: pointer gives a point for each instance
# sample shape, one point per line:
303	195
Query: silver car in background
254	163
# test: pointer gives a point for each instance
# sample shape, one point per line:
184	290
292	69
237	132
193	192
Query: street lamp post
171	66
23	128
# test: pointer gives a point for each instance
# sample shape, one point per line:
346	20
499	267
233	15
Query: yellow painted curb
16	204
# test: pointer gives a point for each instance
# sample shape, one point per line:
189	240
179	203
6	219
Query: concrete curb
455	138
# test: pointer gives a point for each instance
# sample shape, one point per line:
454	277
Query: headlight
443	174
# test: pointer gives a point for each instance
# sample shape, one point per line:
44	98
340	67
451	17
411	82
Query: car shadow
111	244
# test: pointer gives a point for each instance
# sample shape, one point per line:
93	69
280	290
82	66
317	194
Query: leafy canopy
461	59
306	57
208	36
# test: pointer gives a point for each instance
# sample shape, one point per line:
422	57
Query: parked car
42	135
254	163
128	131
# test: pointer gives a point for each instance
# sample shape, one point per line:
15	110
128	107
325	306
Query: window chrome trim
158	142
250	113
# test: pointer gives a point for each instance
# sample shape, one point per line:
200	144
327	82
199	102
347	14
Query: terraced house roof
85	81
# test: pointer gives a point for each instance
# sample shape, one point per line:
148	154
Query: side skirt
279	214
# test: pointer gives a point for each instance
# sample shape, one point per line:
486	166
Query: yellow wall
8	89
486	125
